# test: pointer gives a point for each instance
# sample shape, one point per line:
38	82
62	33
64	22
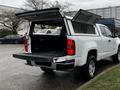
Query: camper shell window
83	28
47	29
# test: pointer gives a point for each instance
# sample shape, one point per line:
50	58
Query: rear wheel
116	57
89	69
47	70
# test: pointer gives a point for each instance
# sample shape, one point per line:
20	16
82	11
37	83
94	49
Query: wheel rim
92	68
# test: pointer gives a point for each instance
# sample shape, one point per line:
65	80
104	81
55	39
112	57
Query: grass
107	81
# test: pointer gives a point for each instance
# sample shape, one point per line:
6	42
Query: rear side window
105	31
83	28
108	32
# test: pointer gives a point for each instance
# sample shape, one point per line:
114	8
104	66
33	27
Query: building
108	12
9	8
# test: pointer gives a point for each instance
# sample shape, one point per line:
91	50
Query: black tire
116	57
46	70
89	69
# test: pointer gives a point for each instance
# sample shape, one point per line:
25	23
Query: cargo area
48	37
48	45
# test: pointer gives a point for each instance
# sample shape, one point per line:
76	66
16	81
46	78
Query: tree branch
4	24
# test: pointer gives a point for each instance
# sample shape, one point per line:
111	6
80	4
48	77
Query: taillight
70	47
25	44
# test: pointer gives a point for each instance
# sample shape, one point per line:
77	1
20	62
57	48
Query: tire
89	69
46	70
116	57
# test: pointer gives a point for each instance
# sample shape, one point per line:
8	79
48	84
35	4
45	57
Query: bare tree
36	4
63	6
10	21
41	4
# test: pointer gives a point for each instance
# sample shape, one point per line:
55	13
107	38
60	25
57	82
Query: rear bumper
50	62
65	66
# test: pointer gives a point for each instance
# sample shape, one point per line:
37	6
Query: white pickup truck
78	41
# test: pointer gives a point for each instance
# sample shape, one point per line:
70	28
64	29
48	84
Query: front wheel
89	68
116	57
47	70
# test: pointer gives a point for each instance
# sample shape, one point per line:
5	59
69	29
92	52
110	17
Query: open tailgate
33	57
39	57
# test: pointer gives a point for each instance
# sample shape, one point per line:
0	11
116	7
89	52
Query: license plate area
48	64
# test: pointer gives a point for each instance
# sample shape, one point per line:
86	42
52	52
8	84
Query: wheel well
119	46
93	52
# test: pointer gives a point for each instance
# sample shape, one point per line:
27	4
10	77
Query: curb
95	78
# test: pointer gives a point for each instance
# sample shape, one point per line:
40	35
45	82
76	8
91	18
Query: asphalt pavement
15	75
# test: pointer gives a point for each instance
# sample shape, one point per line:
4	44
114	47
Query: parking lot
15	75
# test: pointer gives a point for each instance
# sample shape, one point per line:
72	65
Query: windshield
48	29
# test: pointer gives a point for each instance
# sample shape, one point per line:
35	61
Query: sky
76	4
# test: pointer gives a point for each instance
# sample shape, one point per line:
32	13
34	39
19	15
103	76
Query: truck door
107	40
111	40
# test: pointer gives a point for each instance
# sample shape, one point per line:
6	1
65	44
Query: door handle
109	40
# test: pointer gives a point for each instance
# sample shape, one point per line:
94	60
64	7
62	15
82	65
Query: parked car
12	39
80	43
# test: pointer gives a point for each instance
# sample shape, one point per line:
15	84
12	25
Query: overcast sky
77	4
